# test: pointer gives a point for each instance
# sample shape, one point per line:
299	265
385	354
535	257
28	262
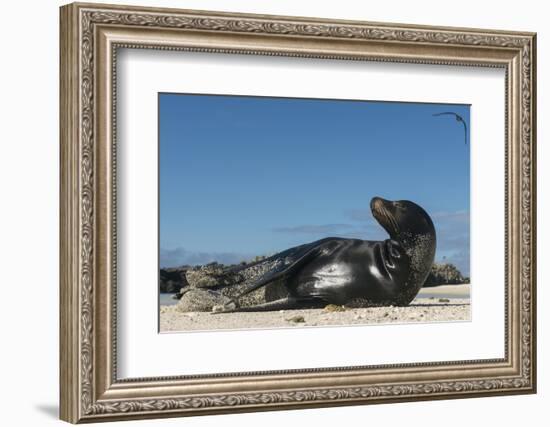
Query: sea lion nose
376	203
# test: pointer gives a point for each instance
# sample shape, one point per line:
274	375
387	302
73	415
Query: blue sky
246	176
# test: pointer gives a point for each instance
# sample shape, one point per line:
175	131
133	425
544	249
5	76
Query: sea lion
352	272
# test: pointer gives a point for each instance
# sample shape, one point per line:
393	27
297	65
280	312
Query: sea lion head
406	223
412	228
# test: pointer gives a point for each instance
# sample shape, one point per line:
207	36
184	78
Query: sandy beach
447	303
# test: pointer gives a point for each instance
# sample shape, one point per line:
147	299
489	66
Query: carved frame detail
85	397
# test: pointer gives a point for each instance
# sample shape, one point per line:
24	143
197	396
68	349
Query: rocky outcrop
173	279
445	274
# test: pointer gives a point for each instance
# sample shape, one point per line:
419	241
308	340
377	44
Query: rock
444	300
172	280
444	274
331	308
296	319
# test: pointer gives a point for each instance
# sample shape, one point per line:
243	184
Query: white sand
445	291
438	304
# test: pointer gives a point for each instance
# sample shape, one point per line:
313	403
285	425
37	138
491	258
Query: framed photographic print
319	164
300	212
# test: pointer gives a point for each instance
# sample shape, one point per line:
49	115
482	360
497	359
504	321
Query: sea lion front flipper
278	274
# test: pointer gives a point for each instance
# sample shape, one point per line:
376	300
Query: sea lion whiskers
389	218
394	222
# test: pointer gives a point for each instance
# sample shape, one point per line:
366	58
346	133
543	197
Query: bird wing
445	113
465	131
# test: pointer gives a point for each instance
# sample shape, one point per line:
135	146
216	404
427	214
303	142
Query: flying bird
458	119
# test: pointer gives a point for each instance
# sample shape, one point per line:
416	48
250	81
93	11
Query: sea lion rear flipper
280	304
286	303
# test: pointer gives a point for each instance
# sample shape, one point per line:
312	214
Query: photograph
302	212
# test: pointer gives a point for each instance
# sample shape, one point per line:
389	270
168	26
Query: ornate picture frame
90	37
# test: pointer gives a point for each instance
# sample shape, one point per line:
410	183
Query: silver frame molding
90	37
